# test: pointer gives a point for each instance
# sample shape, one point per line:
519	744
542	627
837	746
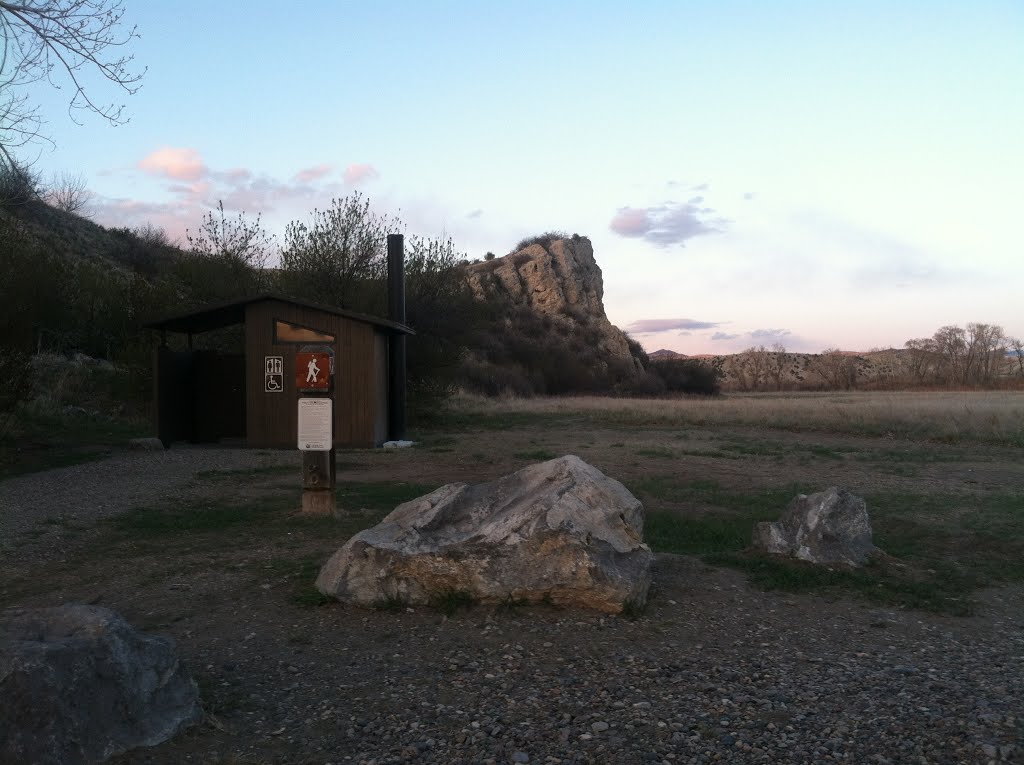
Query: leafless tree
67	192
152	234
1017	345
986	349
922	358
838	370
775	364
59	42
240	246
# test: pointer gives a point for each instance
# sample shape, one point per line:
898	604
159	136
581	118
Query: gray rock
79	685
558	531
146	444
830	527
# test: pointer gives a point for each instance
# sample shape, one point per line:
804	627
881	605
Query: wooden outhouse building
208	395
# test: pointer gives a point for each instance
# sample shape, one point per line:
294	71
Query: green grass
536	455
449	602
946	545
702	492
43	439
266	470
657	452
383	495
196	518
391	603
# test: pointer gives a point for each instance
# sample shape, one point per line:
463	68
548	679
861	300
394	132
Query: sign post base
318	480
318	502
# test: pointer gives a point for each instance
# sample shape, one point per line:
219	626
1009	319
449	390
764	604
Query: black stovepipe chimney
396	343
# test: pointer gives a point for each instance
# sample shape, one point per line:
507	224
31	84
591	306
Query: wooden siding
272	417
380	433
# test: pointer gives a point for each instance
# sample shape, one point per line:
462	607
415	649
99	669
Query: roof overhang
228	314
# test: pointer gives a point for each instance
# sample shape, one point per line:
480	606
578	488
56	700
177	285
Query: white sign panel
315	418
273	374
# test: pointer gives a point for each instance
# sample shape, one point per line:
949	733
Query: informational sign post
314	381
312	372
316	416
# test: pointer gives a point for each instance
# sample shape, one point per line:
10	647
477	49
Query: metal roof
226	314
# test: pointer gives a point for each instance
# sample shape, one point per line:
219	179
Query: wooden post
314	380
318	483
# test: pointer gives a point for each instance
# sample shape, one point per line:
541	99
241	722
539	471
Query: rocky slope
560	280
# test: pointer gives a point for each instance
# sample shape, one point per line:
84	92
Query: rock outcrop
559	279
559	531
79	685
830	527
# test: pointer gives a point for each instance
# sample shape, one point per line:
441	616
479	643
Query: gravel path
82	494
713	672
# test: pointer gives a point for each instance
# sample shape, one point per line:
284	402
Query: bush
544	240
19	184
689	376
16	373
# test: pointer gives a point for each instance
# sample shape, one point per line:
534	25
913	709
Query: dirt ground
287	678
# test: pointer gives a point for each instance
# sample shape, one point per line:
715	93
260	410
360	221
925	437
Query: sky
813	174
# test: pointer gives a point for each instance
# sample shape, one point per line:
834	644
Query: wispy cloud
193	188
181	164
770	336
315	173
667	224
724	336
360	173
650	326
877	260
475	213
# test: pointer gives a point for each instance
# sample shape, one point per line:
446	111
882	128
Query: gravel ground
85	493
713	671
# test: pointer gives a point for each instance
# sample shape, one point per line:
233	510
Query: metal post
396	343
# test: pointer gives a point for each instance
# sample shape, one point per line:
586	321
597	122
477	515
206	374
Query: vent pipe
396	343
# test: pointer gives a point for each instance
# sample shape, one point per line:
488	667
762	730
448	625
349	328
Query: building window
286	332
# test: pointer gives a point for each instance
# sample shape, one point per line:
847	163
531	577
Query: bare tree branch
61	42
68	192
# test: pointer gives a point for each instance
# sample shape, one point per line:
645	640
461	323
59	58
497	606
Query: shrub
544	240
689	376
19	184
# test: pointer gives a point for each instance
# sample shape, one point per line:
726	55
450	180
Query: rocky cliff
559	279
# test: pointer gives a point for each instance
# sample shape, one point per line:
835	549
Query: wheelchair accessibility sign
273	374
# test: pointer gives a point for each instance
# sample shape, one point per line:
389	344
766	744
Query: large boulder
79	685
830	527
559	279
560	531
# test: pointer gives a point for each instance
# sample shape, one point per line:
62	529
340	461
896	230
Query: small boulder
830	527
79	685
560	531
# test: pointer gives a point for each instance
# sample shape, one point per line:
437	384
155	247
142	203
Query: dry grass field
995	417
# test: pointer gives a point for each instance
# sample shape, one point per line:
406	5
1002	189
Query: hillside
760	369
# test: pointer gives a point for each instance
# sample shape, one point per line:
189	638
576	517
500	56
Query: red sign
312	371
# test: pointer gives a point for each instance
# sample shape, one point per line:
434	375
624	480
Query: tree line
977	355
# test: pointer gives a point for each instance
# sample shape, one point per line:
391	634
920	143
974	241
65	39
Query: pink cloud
629	221
360	172
181	164
315	173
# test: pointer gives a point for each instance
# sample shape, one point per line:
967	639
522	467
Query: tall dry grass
983	416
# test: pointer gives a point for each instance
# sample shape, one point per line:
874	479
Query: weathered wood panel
271	418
